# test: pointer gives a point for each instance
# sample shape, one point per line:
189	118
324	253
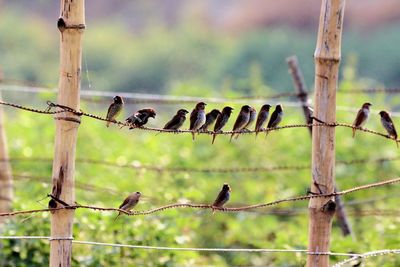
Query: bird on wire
131	201
362	117
388	124
253	116
114	109
140	117
222	197
276	118
210	119
197	118
242	120
222	119
177	121
262	118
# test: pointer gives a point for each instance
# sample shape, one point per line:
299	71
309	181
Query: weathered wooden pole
6	178
327	58
71	25
301	90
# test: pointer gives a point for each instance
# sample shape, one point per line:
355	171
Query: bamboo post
6	179
302	95
327	58
71	25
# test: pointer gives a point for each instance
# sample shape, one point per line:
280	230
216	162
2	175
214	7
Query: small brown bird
222	119
242	120
129	202
114	109
210	119
141	117
177	121
362	117
222	197
276	118
197	117
388	124
262	117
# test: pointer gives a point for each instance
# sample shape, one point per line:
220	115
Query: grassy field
32	136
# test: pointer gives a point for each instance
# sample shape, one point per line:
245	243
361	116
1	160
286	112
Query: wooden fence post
71	25
6	178
327	58
301	89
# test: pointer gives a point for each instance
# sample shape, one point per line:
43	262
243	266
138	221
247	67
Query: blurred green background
199	48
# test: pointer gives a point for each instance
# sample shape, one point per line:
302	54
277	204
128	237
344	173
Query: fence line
249	250
207	206
157	168
368	255
159	130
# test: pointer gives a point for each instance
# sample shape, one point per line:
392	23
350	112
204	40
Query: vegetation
198	228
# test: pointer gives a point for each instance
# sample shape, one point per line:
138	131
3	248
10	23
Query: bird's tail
193	135
117	216
397	143
354	132
231	137
108	123
213	139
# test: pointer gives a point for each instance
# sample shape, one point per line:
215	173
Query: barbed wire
368	255
249	250
156	168
207	206
81	113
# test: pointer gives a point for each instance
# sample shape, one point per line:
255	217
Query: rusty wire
208	206
63	108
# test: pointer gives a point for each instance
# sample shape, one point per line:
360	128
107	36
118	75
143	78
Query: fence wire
208	206
376	253
62	109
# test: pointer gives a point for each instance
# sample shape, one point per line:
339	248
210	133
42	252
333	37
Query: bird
140	117
177	121
387	123
362	117
210	119
197	117
262	117
222	197
114	109
242	119
129	202
222	119
276	117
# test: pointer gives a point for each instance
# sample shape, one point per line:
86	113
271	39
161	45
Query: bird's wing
359	118
174	121
193	118
260	119
220	199
125	202
111	107
273	118
240	121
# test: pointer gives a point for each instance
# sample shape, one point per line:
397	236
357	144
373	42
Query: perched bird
197	117
387	123
210	119
362	117
222	197
276	117
129	202
177	121
242	119
222	119
262	117
141	117
114	109
253	116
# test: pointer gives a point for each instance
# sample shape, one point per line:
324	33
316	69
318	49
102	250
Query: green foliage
199	228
